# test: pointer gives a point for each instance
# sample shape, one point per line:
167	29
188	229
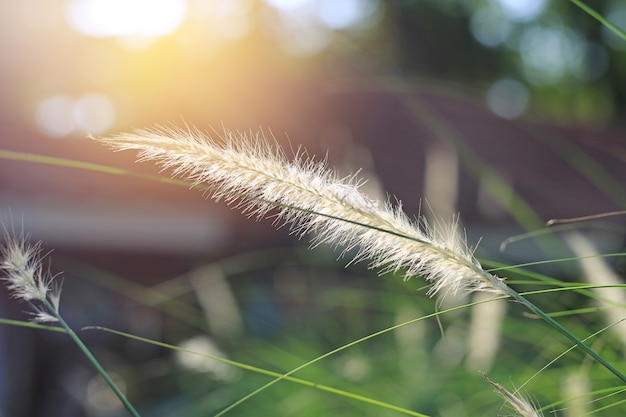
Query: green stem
277	375
566	333
600	18
94	361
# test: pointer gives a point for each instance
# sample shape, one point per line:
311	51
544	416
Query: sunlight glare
126	18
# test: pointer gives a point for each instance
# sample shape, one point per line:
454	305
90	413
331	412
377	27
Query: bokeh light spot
54	116
522	10
287	4
299	33
94	113
508	98
617	16
62	115
126	18
551	55
221	19
201	361
100	397
344	14
306	27
305	40
489	27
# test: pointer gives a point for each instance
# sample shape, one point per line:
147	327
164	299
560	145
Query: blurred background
509	112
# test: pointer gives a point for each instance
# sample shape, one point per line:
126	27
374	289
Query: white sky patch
551	54
126	18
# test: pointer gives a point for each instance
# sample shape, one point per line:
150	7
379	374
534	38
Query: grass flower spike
27	280
522	406
247	171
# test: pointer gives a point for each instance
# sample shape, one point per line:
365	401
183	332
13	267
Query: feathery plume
21	263
256	176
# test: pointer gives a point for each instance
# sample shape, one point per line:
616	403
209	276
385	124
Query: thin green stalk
31	325
606	407
619	32
87	166
286	376
565	353
611	391
276	375
532	307
94	361
558	260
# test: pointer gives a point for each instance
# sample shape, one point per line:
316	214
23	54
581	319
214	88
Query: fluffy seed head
21	263
256	176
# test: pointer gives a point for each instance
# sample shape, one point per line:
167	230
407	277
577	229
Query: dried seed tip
256	176
520	405
552	222
26	278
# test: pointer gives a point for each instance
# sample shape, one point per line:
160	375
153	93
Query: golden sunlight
126	18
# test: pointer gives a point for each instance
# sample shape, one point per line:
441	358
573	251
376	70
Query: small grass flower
27	279
522	406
